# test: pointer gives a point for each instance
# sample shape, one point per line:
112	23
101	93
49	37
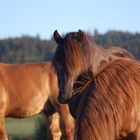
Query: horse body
112	109
26	90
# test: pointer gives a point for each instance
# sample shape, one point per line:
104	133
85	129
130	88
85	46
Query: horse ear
57	37
80	35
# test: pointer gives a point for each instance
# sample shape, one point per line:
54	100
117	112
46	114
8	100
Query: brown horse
28	89
110	106
75	54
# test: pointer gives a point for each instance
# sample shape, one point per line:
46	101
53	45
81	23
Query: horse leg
3	135
68	122
137	133
3	101
55	127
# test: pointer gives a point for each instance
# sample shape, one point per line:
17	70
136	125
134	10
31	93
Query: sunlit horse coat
110	109
28	89
76	55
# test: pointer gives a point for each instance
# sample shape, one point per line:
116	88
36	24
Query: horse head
72	58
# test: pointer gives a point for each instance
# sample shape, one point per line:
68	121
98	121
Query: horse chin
63	100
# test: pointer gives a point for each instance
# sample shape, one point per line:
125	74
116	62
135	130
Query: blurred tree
32	49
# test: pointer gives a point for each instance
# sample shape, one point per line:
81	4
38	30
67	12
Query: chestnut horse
28	89
75	54
109	108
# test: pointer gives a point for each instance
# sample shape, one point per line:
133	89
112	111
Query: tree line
31	49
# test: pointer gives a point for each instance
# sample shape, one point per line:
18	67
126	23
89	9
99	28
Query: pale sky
32	17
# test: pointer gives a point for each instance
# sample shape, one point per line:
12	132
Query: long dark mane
112	107
75	47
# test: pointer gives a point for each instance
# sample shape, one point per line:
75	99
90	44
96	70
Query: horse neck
117	53
99	57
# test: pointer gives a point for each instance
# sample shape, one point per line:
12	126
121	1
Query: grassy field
22	127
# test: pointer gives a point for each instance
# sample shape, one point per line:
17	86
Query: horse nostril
61	97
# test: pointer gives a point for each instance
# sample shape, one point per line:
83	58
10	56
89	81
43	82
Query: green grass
22	127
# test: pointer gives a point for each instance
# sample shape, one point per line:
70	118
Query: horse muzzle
63	98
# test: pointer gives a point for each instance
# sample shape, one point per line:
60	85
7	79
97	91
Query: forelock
72	53
76	52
